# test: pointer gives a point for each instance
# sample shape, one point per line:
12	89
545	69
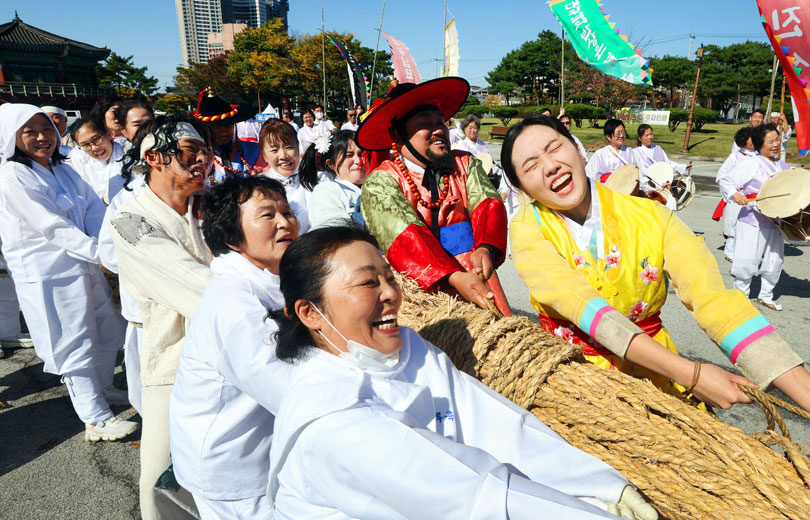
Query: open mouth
386	323
286	239
561	183
438	141
43	147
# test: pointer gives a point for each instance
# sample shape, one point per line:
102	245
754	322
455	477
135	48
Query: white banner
451	54
651	117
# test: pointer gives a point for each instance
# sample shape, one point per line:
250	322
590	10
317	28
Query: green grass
713	140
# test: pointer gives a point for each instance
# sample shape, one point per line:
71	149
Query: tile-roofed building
37	66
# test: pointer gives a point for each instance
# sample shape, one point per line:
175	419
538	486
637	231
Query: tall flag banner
361	91
599	43
451	54
783	23
404	67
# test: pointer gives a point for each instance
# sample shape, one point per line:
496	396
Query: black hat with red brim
447	94
215	111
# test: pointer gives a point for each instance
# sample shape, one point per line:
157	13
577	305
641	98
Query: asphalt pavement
48	471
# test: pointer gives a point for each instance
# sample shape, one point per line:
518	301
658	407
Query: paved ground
48	471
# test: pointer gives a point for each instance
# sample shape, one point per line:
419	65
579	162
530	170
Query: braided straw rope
688	463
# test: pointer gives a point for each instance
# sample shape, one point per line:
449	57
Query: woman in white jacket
49	225
333	169
96	157
378	423
229	382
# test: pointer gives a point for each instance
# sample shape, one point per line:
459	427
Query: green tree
213	74
535	67
175	102
734	71
505	114
383	71
120	73
673	73
262	60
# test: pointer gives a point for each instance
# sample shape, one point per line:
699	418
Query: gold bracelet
695	378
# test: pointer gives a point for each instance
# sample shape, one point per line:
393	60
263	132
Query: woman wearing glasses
606	160
96	158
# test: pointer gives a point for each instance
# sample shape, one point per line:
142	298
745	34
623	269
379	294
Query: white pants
730	214
155	458
9	307
255	508
757	251
77	331
132	365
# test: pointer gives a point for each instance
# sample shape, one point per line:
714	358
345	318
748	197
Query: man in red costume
433	210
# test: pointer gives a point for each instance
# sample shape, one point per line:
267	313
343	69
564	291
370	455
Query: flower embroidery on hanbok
579	261
649	274
565	333
637	310
612	259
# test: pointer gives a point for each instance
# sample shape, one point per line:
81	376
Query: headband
158	138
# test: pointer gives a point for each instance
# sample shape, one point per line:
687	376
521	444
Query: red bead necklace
404	170
234	170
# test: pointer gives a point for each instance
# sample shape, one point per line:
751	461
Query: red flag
404	67
783	21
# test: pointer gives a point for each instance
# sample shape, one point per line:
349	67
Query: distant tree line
532	72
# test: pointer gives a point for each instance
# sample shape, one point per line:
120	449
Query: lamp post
699	54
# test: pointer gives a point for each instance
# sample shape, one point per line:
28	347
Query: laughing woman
595	263
49	225
229	382
377	423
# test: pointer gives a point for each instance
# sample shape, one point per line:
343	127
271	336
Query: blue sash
457	238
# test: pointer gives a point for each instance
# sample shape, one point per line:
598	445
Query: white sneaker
109	430
20	340
115	396
769	304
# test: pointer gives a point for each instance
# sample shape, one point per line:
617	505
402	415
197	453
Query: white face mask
361	356
318	115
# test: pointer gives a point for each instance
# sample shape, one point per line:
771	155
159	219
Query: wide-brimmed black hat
447	94
215	111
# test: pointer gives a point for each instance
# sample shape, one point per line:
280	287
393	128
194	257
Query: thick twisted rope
687	462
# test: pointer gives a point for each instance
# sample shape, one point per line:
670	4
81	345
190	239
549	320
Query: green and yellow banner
599	43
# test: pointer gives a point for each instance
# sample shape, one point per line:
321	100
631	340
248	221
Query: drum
624	179
785	199
683	189
661	173
486	161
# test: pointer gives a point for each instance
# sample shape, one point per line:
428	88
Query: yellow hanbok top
602	293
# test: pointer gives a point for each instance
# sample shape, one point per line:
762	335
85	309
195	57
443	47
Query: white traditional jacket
333	202
229	384
98	173
49	222
422	440
163	262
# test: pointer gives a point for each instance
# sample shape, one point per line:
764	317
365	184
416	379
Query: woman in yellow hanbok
597	264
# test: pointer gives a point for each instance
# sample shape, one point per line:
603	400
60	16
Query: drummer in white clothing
759	247
334	170
647	153
377	423
49	225
727	208
607	159
229	382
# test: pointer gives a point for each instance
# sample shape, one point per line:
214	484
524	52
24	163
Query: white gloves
633	506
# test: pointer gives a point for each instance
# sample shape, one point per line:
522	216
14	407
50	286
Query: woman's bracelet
695	378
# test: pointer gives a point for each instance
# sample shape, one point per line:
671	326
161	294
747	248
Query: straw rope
688	463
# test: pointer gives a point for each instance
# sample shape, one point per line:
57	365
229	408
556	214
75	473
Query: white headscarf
12	117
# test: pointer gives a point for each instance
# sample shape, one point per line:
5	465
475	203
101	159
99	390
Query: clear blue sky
487	29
